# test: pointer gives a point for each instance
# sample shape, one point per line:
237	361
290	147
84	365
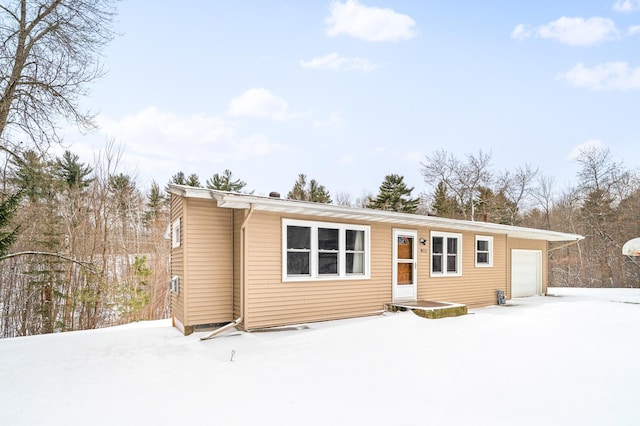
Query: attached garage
526	273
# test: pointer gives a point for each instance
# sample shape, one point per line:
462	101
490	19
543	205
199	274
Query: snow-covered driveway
569	359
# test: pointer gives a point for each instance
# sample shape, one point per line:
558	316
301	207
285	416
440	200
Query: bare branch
87	265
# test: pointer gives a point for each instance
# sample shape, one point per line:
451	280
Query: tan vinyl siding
476	286
209	264
271	302
177	261
521	244
238	218
208	242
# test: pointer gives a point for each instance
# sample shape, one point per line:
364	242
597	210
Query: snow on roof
279	205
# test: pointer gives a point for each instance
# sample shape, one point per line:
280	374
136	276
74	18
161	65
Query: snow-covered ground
570	359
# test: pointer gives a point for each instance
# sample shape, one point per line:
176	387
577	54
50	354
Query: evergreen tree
193	180
122	187
443	204
8	207
32	175
394	195
72	172
224	182
155	202
179	178
309	191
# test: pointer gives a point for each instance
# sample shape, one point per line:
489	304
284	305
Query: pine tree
179	178
156	201
193	180
443	204
72	172
311	191
394	195
31	175
224	183
8	207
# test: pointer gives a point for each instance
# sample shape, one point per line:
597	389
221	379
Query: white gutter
243	201
566	245
243	274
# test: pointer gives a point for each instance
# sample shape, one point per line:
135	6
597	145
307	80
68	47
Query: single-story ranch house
257	261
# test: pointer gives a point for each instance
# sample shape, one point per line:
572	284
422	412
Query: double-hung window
446	256
323	250
484	251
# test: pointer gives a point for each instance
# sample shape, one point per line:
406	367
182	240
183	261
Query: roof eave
278	205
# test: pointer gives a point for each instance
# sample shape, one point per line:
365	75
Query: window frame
489	251
176	233
342	251
445	243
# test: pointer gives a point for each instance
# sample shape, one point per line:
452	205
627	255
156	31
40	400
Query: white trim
178	324
489	263
313	260
444	236
244	201
399	293
175	233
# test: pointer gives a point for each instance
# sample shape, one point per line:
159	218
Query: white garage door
526	273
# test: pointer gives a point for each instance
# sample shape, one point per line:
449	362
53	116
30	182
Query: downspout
238	320
565	245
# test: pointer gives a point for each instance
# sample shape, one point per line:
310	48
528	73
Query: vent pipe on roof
274	194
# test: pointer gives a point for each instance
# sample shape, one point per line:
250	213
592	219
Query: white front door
405	268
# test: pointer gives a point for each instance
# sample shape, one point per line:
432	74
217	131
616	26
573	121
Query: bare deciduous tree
49	51
517	188
461	179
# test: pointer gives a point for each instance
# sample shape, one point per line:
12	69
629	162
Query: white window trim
313	263
444	272
489	263
175	233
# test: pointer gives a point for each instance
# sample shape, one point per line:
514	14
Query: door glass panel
405	247
405	273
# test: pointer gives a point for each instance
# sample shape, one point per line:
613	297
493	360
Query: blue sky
349	91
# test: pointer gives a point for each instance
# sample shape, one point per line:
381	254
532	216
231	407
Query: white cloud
333	61
585	146
166	141
335	120
609	76
259	103
520	32
626	6
633	30
572	31
372	24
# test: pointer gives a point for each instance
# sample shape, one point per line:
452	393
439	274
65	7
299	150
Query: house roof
278	205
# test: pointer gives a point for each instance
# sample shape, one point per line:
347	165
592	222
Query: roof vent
274	194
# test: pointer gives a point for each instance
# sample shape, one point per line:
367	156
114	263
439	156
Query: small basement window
323	250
